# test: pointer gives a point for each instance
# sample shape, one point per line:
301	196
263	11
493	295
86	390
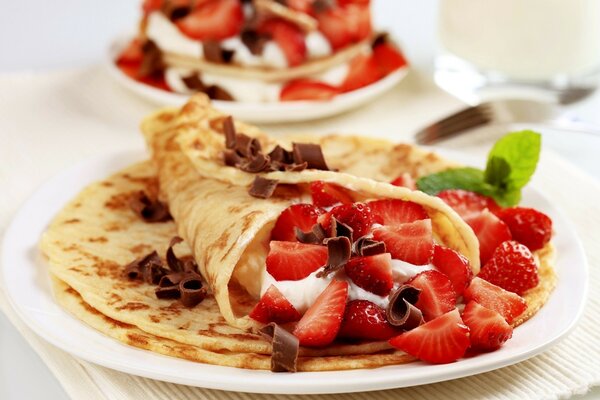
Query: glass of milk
547	48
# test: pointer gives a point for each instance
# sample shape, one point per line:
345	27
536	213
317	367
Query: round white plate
27	285
258	112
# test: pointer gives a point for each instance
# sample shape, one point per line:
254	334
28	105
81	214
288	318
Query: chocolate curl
172	260
286	347
340	229
230	134
401	311
168	287
257	163
315	236
254	41
338	254
149	210
152	65
368	247
191	289
149	268
194	82
310	153
263	188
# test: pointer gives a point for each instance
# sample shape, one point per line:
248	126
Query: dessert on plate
315	253
259	50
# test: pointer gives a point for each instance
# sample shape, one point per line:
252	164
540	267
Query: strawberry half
344	25
388	58
508	304
274	307
306	89
527	226
365	320
442	340
302	216
488	329
289	37
490	232
372	273
512	267
454	265
411	242
213	20
396	212
357	216
328	194
320	324
291	261
132	54
405	180
467	204
362	72
437	295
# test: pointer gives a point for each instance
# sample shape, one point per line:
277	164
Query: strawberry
288	36
508	304
405	180
344	25
274	307
321	322
302	216
372	273
365	320
454	265
490	231
306	89
437	295
362	72
344	3
488	329
132	54
151	5
396	212
388	58
512	267
305	6
442	340
527	226
357	216
213	20
411	242
293	261
467	204
328	194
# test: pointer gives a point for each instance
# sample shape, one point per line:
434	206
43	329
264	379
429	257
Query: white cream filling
168	37
317	45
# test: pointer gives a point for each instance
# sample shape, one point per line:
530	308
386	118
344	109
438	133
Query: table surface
76	33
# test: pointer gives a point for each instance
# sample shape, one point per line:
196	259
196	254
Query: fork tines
463	120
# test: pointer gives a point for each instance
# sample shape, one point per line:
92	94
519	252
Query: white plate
27	285
258	112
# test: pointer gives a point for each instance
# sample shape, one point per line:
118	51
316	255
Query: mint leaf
458	178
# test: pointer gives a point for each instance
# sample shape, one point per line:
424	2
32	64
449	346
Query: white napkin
50	121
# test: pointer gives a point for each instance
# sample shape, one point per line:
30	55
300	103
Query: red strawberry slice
442	340
365	320
344	25
467	204
305	6
344	3
328	194
488	329
151	5
213	20
302	216
362	72
528	226
306	89
405	180
508	304
454	265
372	273
411	242
291	261
132	54
512	267
274	307
490	232
289	37
396	212
320	324
388	58
437	295
357	216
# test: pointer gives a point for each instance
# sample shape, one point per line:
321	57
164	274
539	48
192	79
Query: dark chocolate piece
230	134
152	65
381	38
338	254
149	210
212	51
149	268
368	247
310	153
167	292
172	260
262	187
174	11
191	289
401	311
193	82
216	92
254	41
340	229
257	163
296	167
286	347
315	236
232	158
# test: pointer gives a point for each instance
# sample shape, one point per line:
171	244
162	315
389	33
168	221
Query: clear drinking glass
490	48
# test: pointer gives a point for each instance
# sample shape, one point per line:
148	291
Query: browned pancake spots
173	308
72	221
79	271
119	201
113	227
235	209
107	184
77	205
248	219
114	298
99	239
198	145
137	340
70	248
140	248
107	268
185	326
165	116
154	319
133	306
171	144
216	124
219	244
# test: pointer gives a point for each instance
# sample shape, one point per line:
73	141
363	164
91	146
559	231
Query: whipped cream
403	271
317	45
169	39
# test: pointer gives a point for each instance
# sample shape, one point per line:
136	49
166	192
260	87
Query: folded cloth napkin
52	120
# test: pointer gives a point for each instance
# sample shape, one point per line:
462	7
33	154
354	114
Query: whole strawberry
512	267
527	226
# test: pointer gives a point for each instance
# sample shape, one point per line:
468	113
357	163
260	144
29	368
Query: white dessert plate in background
257	112
26	282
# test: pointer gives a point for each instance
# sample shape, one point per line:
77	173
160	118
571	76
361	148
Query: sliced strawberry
320	324
365	320
488	329
357	216
151	5
344	3
508	304
467	204
274	307
442	340
362	72
490	231
333	24
213	20
512	267
358	20
437	295
291	261
132	54
302	216
305	6
288	36
388	58
306	89
396	212
328	194
372	273
405	180
411	242
454	265
527	226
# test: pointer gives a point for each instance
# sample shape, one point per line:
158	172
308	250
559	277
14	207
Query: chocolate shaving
315	236
254	41
229	131
149	210
340	229
338	254
296	167
216	92
152	65
263	188
149	268
232	158
368	247
212	51
194	82
172	261
401	311
191	289
257	163
380	39
286	347
310	153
